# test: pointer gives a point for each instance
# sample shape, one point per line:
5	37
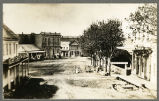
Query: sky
67	19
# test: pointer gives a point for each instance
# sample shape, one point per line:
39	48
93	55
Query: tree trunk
91	60
109	65
100	62
105	65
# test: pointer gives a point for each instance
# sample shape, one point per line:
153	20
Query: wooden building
70	46
144	60
144	57
15	66
75	49
65	48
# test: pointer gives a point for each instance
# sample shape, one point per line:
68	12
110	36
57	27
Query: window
16	47
10	49
48	41
6	49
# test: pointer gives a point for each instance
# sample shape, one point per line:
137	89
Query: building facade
15	66
65	48
144	57
51	44
75	49
70	46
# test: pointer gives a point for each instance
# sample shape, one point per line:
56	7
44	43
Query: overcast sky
68	19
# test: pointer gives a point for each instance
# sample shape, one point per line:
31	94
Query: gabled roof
8	34
74	43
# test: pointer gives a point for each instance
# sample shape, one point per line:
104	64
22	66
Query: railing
125	63
17	59
14	67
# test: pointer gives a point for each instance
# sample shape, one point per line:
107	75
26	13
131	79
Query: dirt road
58	80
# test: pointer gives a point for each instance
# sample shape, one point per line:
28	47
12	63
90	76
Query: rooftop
8	34
50	33
28	48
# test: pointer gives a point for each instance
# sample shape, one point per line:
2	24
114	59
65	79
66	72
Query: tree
103	37
89	41
111	37
144	20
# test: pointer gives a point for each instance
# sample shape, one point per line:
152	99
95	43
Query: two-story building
65	48
144	57
15	66
74	49
70	46
51	44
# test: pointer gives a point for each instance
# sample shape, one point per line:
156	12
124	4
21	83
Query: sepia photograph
79	51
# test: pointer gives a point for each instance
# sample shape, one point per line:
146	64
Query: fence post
125	69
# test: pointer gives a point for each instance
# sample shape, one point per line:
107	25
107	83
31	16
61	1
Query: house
15	66
65	48
74	49
70	46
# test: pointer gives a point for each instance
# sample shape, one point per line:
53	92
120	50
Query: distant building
38	41
34	52
75	49
65	48
51	44
70	46
13	63
26	38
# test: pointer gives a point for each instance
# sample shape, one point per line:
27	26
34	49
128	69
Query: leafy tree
111	37
144	20
102	38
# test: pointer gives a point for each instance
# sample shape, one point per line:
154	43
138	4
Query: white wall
65	45
10	49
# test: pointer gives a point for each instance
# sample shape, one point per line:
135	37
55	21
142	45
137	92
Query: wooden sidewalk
138	82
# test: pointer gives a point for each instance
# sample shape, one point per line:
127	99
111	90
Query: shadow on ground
47	69
34	88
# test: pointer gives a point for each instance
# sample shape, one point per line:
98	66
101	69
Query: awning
128	48
29	48
36	52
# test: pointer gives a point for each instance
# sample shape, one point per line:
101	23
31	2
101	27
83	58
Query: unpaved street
56	79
